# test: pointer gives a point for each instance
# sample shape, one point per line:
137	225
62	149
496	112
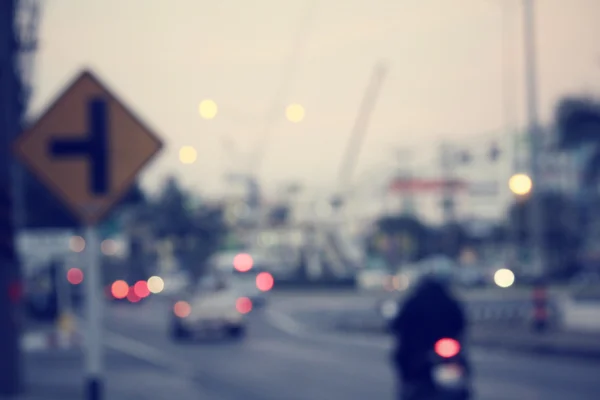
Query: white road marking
288	325
136	349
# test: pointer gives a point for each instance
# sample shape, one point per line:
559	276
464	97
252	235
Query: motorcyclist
430	313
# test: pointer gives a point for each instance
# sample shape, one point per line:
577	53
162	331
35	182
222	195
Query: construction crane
359	130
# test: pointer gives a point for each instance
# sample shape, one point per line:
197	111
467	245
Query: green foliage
577	120
196	233
449	240
562	234
399	238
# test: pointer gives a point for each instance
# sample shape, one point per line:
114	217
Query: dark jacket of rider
429	314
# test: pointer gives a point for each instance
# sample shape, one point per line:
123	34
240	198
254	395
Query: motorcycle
449	374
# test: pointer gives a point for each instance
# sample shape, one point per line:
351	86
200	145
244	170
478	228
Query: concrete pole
509	114
447	160
536	214
10	120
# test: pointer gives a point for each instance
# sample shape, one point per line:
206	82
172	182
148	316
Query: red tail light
119	289
182	309
243	305
132	296
264	281
447	348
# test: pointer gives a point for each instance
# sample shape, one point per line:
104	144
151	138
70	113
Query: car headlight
389	309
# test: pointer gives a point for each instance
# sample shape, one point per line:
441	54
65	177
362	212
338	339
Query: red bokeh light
141	289
182	309
75	276
243	262
264	281
447	348
131	296
119	289
243	305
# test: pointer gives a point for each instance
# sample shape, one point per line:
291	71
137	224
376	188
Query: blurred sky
445	56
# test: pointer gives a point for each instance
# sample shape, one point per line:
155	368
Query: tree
172	218
578	123
449	240
562	237
195	233
399	239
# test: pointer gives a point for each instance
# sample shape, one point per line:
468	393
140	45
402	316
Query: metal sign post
88	149
93	335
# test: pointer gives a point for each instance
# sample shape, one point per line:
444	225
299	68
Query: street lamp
208	109
187	155
294	113
520	184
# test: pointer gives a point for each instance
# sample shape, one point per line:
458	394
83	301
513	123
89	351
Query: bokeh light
141	289
264	281
447	348
77	244
520	184
75	276
132	296
182	309
208	109
243	305
187	155
504	278
109	247
243	262
294	113
156	284
119	289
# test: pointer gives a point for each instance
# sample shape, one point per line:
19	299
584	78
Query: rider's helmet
438	269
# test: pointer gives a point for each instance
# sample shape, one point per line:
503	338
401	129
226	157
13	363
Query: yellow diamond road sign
87	148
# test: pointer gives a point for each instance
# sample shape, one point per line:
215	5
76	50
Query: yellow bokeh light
294	113
208	109
187	155
520	184
504	278
77	244
155	284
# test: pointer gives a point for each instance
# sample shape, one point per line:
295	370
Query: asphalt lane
278	360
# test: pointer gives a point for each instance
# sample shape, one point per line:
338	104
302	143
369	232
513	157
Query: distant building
479	174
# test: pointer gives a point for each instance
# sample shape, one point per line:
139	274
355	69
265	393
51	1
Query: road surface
280	360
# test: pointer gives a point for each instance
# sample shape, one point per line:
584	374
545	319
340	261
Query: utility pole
11	110
536	214
447	163
509	117
405	172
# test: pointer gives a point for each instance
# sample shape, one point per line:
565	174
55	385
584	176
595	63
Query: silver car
248	284
213	308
